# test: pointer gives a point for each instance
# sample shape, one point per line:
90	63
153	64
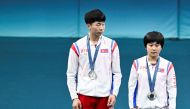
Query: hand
134	108
77	104
111	101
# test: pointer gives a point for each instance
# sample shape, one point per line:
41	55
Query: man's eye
151	45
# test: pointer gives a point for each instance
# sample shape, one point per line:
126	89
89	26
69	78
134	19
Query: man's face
153	49
97	28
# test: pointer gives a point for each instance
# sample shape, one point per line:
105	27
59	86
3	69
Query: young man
152	81
93	74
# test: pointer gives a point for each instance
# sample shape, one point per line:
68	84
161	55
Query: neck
94	38
152	60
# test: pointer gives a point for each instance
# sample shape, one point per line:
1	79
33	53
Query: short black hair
94	15
154	36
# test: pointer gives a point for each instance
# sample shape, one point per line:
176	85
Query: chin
98	35
154	55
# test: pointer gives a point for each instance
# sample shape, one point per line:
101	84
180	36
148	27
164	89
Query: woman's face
153	49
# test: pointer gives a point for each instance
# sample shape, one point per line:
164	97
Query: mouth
99	33
154	53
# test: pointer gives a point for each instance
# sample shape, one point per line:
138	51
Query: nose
154	47
102	27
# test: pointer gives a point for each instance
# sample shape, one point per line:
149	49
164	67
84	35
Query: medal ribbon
92	62
152	82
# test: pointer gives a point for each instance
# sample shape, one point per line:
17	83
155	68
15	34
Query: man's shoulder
81	40
107	38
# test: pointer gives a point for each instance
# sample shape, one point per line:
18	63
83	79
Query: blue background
64	18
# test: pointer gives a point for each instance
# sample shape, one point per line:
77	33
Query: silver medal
92	75
151	96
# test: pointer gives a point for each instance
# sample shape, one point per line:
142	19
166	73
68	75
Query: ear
145	48
89	26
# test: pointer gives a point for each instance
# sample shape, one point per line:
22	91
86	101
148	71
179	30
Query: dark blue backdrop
33	71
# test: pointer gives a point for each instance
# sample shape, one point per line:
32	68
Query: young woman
152	81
